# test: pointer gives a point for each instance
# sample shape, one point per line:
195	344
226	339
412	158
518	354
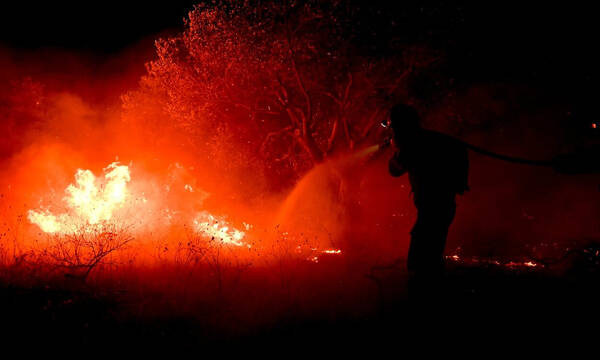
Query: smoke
205	205
63	116
62	112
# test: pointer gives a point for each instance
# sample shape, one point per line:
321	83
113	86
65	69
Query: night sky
494	40
550	49
99	27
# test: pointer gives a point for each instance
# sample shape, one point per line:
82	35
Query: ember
478	261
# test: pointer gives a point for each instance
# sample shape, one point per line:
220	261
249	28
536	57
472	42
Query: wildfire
116	198
93	200
217	229
332	251
484	261
313	253
90	200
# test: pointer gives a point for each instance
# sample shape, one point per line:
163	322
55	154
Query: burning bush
89	205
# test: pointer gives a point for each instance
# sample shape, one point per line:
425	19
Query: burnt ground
478	306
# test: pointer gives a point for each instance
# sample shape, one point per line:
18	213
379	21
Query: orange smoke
93	202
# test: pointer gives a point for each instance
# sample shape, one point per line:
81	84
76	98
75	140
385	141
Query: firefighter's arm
396	166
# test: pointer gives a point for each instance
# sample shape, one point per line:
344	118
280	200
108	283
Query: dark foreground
477	305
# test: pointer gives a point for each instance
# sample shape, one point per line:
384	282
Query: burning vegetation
88	204
249	103
243	172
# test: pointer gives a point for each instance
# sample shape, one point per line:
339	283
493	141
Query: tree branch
273	134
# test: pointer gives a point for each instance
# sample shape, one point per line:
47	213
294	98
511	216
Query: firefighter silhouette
438	168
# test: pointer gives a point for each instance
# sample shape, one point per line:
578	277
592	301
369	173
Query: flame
218	229
313	253
92	201
507	264
332	251
89	201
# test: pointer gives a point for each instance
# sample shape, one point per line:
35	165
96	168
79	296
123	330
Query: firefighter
437	167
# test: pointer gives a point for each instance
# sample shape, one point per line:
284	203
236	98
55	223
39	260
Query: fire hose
585	161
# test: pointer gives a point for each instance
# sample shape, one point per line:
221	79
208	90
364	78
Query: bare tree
80	252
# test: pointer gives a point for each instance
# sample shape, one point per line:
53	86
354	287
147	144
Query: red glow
229	161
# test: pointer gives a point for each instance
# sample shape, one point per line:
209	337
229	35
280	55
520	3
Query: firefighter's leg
428	239
418	239
425	256
421	262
